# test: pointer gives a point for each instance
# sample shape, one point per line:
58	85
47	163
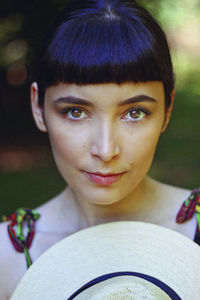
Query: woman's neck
143	204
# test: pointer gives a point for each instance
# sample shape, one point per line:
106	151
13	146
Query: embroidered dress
190	207
21	227
21	230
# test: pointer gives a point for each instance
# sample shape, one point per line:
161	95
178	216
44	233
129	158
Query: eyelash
138	109
65	112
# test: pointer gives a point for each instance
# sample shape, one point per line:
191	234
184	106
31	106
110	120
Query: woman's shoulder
5	247
181	208
177	198
171	192
4	261
181	197
170	195
58	215
12	265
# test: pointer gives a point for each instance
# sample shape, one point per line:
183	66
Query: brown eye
135	115
74	113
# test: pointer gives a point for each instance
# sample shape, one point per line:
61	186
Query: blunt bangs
96	47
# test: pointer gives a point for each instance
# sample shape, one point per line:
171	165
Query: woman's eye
135	115
74	113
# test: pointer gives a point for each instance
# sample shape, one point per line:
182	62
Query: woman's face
103	136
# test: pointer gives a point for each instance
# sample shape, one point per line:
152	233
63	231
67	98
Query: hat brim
116	247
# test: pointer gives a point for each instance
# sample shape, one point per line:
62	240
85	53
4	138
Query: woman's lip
103	179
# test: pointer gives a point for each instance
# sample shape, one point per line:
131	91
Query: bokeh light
16	74
15	50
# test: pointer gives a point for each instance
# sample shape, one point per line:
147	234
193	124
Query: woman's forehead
107	91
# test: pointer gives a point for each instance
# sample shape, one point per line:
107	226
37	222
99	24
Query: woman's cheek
67	145
142	145
64	146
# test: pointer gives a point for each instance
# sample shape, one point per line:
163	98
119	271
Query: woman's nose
105	144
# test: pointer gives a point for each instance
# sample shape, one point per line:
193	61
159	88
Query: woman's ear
168	112
37	110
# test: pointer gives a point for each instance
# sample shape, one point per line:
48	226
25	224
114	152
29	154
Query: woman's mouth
103	179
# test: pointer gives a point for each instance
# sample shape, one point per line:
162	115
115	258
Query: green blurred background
28	176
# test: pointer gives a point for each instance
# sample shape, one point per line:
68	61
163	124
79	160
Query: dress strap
190	207
21	230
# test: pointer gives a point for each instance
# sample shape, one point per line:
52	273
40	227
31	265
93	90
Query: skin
104	137
108	134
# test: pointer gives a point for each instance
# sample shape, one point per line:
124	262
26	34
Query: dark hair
104	41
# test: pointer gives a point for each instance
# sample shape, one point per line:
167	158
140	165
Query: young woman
103	90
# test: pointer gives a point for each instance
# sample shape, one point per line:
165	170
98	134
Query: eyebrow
138	98
75	100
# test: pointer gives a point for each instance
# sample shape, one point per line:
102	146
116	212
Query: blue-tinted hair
104	41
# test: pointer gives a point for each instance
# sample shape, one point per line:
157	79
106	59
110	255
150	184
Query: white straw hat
120	260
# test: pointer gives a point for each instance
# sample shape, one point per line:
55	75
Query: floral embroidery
190	207
21	230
